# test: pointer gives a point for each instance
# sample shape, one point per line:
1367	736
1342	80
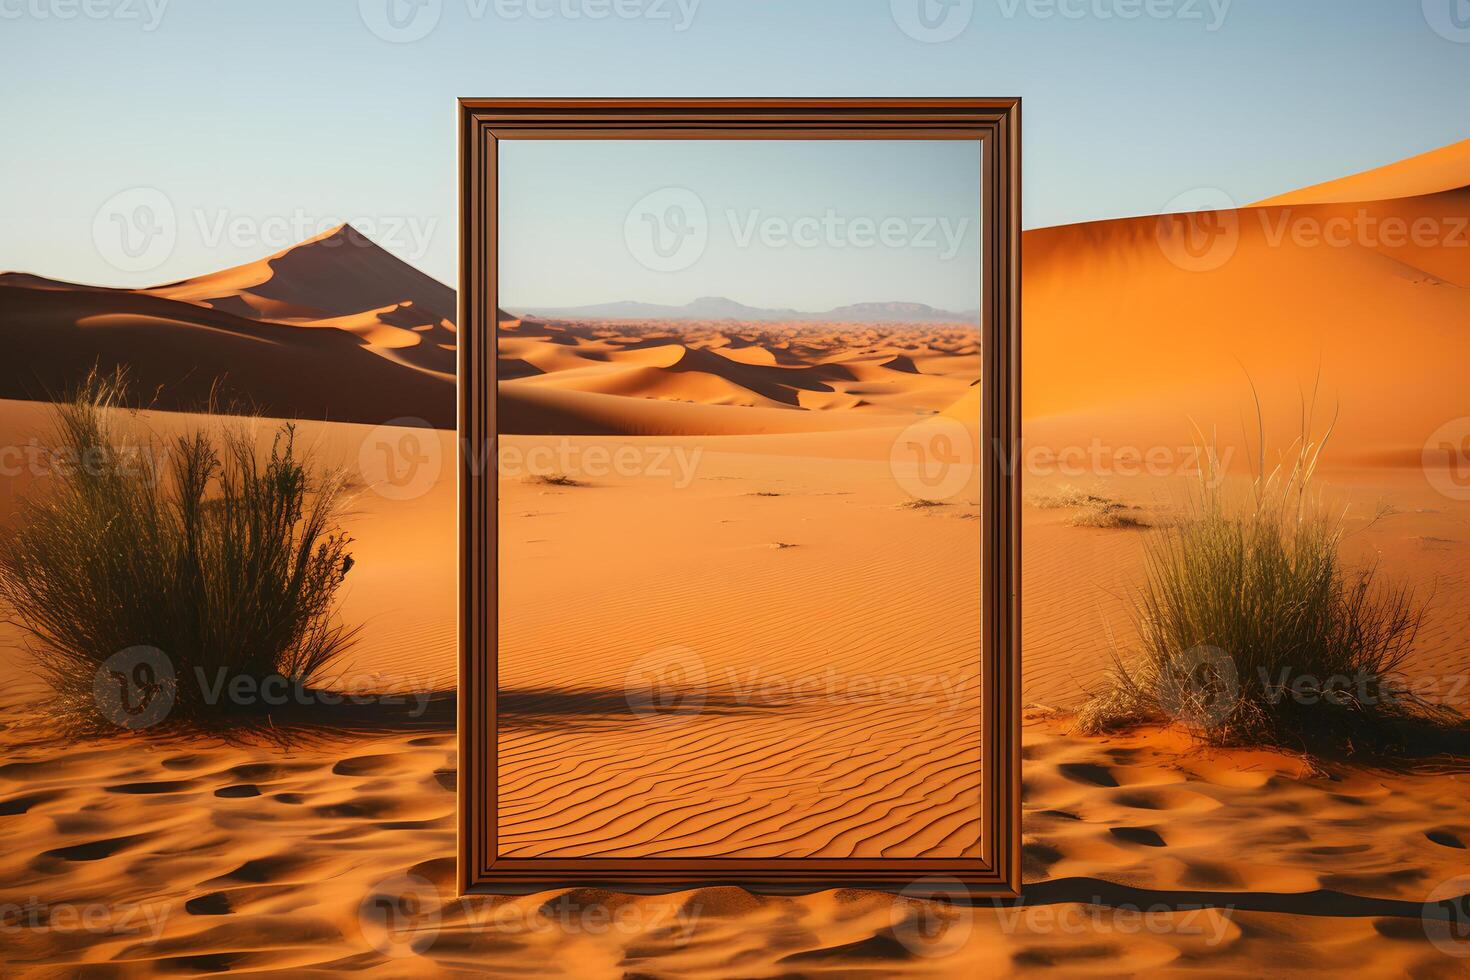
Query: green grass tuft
225	559
1252	631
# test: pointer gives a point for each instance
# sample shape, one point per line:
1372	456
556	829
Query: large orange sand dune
334	328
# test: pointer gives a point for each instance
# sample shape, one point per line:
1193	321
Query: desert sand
373	334
1141	854
259	857
757	555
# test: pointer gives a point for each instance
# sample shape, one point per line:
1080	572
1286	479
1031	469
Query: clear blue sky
808	225
257	119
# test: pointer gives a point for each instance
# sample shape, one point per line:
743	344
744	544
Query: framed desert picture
738	529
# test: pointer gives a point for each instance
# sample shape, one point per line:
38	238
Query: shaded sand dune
801	371
334	328
546	410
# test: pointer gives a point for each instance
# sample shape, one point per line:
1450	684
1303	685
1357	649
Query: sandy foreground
194	857
787	548
1140	852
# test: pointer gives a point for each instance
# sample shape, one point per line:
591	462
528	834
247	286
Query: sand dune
1434	172
193	353
334	328
1127	340
810	371
526	409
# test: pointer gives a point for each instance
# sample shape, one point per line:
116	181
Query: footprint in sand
1138	835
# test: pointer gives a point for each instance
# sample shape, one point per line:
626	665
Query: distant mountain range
723	308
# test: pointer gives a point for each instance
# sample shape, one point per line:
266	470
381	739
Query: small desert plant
222	559
1090	509
1253	632
920	503
552	480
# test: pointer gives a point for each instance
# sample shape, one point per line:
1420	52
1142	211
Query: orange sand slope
333	328
1131	326
1434	172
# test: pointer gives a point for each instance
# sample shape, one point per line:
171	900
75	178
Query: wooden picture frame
995	123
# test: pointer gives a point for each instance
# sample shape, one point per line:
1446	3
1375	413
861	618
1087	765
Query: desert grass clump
222	559
921	503
1253	631
552	480
1089	509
